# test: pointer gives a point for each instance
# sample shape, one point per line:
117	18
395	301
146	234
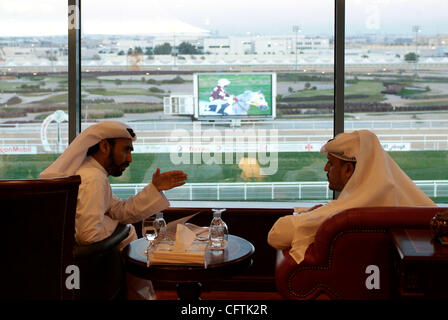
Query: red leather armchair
335	265
37	237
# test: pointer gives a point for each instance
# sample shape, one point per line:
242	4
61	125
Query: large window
224	94
240	96
397	84
33	86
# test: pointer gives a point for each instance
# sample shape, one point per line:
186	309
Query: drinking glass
149	230
160	225
218	210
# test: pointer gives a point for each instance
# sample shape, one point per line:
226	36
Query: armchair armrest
285	266
84	251
101	267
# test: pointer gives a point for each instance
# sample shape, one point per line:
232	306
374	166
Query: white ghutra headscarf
72	158
376	182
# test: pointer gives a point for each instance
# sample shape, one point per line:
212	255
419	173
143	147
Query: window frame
74	69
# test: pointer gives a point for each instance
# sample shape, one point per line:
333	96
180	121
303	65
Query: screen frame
233	117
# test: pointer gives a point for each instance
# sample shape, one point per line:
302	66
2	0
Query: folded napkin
183	251
184	238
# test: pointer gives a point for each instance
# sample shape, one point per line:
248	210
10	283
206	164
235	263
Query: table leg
189	290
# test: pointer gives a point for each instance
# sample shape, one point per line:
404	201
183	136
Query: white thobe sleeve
147	202
282	233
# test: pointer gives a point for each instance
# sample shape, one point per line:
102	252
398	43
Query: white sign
396	146
309	147
245	147
18	150
188	148
192	148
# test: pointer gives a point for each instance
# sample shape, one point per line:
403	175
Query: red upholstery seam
328	266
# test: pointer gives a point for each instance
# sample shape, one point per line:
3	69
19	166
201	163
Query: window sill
242	204
252	204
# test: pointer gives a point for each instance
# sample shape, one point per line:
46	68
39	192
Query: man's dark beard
114	168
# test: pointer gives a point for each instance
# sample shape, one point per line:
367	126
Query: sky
230	17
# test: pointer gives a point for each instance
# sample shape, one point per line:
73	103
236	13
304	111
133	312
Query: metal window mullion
74	75
339	66
339	70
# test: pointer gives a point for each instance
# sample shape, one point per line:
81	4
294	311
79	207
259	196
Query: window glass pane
397	84
239	97
33	86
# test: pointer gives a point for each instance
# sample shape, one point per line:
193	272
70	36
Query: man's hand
169	179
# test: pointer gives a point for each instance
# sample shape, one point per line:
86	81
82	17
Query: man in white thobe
101	150
365	175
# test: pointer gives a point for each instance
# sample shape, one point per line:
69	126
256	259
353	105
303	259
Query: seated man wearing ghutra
101	150
365	175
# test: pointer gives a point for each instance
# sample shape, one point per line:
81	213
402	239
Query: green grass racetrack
292	166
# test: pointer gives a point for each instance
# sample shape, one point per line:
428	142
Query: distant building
263	45
280	45
440	40
228	45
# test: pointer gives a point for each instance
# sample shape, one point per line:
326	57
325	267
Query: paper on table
183	251
171	227
197	229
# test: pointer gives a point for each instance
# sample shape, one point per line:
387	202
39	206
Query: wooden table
421	263
220	264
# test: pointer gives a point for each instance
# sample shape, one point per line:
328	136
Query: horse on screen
238	105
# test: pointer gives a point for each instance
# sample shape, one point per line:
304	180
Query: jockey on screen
221	96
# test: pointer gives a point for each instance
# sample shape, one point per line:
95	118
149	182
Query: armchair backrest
344	246
38	218
367	219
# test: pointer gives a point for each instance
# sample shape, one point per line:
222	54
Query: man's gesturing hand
169	179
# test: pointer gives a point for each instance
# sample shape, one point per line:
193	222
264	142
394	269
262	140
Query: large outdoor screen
234	95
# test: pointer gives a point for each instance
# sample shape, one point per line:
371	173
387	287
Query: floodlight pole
416	29
296	29
174	51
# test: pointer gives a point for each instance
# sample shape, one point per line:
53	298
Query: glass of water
149	230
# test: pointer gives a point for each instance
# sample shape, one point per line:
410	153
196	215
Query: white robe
376	181
99	211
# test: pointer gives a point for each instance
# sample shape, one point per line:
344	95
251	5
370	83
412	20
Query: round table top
220	263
